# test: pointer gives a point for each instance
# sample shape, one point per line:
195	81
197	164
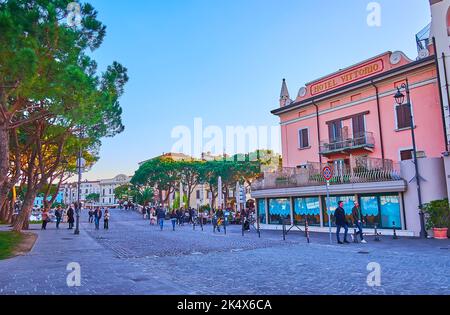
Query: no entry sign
327	173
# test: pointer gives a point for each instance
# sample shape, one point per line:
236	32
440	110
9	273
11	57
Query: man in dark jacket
97	216
341	222
70	217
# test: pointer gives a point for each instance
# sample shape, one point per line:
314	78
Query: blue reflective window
279	209
262	211
390	212
349	203
370	211
307	208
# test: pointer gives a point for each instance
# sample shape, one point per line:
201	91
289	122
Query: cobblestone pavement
136	258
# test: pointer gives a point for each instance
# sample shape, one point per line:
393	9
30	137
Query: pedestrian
341	222
97	216
71	217
148	210
58	215
45	219
91	215
179	216
161	216
173	218
106	220
358	221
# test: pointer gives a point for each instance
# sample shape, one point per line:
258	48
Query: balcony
360	170
364	141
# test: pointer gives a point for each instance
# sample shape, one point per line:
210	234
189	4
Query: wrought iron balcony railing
361	170
365	140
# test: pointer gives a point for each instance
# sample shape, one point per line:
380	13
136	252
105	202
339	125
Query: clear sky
224	60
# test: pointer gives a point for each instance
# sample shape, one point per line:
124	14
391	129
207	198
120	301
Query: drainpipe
379	121
440	90
318	128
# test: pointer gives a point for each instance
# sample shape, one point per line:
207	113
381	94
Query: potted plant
438	218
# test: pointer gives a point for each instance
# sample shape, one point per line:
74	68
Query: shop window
279	209
370	211
390	212
261	204
381	210
303	138
349	203
307	208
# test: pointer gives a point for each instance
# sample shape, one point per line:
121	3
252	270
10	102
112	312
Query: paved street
135	258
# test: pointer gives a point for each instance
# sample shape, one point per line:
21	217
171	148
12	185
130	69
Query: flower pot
440	234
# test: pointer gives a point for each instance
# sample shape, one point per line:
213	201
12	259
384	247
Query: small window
198	194
406	155
303	135
403	116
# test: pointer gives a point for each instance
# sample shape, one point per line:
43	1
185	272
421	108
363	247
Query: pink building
351	121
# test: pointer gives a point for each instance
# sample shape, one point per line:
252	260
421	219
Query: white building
104	188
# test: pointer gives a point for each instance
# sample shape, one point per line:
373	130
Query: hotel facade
351	121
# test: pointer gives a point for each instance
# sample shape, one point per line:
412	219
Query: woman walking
106	220
45	219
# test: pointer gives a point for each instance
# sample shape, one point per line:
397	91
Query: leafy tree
93	197
47	81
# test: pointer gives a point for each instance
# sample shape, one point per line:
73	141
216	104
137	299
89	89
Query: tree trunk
22	221
4	153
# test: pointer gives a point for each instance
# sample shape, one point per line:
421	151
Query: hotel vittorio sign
349	76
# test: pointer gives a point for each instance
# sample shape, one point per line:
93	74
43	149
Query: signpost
328	175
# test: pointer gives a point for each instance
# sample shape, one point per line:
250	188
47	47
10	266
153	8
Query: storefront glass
261	203
279	209
381	210
349	203
390	212
370	211
307	208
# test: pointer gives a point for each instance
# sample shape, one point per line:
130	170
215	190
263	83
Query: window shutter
305	139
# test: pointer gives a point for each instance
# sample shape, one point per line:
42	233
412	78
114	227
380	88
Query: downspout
379	121
441	97
318	129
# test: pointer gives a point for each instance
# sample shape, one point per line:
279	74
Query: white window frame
299	142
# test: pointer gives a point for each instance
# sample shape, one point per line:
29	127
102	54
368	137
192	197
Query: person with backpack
341	222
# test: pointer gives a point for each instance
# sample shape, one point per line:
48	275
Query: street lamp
80	165
400	100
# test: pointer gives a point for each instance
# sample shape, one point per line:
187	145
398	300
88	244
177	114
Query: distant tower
285	99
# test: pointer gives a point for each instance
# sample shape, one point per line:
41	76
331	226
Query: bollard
377	236
193	225
225	226
395	231
307	231
257	227
284	231
243	221
201	223
355	237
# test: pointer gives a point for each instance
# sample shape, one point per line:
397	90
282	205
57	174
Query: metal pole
329	212
423	233
78	207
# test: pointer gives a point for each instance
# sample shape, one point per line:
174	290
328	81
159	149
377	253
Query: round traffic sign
327	173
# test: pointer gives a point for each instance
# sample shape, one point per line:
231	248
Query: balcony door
359	130
335	134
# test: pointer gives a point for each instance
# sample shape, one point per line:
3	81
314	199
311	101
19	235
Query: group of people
96	215
343	223
59	215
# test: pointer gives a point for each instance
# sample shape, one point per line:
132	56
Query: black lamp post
400	100
80	166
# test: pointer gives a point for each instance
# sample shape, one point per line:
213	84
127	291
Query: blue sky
223	60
